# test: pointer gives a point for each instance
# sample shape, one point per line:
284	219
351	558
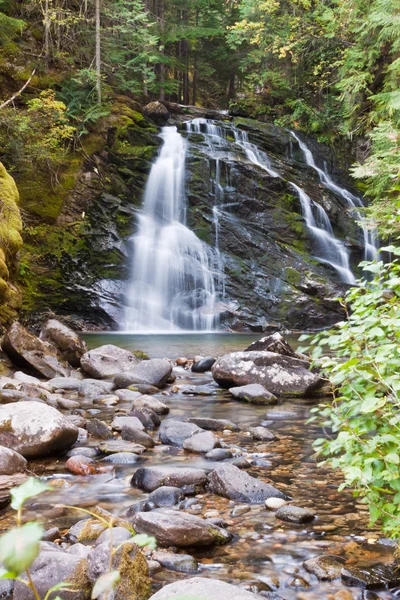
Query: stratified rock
166	495
203	365
176	432
152	403
28	350
326	567
202	442
213	424
70	346
182	563
154	372
254	393
175	528
34	429
262	434
294	514
151	478
281	375
204	588
273	343
50	568
157	112
11	462
107	361
229	481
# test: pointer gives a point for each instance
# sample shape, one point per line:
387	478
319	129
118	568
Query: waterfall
175	276
370	242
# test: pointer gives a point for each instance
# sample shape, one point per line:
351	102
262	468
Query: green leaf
392	458
20	546
143	539
105	583
29	489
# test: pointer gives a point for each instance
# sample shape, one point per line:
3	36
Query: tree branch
19	92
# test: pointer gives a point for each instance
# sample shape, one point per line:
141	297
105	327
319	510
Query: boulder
175	528
202	442
213	424
176	432
34	429
204	589
281	375
229	481
254	393
294	514
273	343
107	361
151	403
11	462
151	478
70	346
157	112
27	350
203	365
155	372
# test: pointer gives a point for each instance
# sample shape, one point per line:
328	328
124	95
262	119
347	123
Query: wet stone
149	419
151	478
166	496
122	458
294	514
378	577
182	563
238	511
274	503
201	442
132	422
214	424
262	434
83	451
175	432
98	429
132	434
116	446
326	567
218	454
254	393
154	404
203	365
229	481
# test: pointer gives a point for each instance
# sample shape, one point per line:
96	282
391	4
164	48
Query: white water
175	276
370	243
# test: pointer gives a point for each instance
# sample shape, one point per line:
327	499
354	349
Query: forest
199	299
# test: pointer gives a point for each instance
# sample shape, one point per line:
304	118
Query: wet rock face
280	375
229	481
68	343
107	361
34	429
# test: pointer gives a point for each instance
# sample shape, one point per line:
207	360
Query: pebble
238	511
274	503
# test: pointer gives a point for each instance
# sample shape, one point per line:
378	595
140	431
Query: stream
266	554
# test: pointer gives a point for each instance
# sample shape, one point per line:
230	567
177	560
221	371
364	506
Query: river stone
132	422
107	361
149	419
65	383
166	495
90	388
83	451
281	375
273	343
127	395
274	503
326	567
99	429
157	112
132	434
118	535
262	434
117	446
202	588
11	462
176	432
182	563
152	403
8	396
219	454
175	528
254	393
151	478
143	388
86	530
155	372
377	577
203	365
229	481
294	514
213	424
28	350
50	568
34	429
201	442
70	346
122	458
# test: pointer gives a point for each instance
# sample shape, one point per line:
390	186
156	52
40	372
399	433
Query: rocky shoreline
94	415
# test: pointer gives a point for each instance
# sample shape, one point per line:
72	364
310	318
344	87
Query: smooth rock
229	481
99	429
213	424
34	429
202	442
127	395
152	403
133	422
254	393
67	403
108	361
65	383
281	375
122	458
166	496
203	365
28	350
70	346
8	396
83	451
175	432
274	503
182	563
117	446
294	514
132	434
238	511
203	588
157	112
219	454
181	361
262	434
149	419
118	535
91	388
86	530
11	462
143	388
326	567
155	372
175	528
151	478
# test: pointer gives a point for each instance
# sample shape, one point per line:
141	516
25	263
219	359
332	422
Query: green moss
135	582
141	355
292	276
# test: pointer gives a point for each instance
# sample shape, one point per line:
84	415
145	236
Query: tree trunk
98	52
46	33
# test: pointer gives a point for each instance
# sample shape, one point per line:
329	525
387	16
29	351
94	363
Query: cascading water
370	242
175	276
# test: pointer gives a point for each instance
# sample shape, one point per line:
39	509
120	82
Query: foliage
363	367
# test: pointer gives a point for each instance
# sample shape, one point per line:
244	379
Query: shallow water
264	550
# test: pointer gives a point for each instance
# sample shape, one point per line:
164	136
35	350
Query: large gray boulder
176	528
203	588
34	429
155	372
50	568
11	462
151	478
29	351
175	432
70	346
230	482
107	361
281	375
